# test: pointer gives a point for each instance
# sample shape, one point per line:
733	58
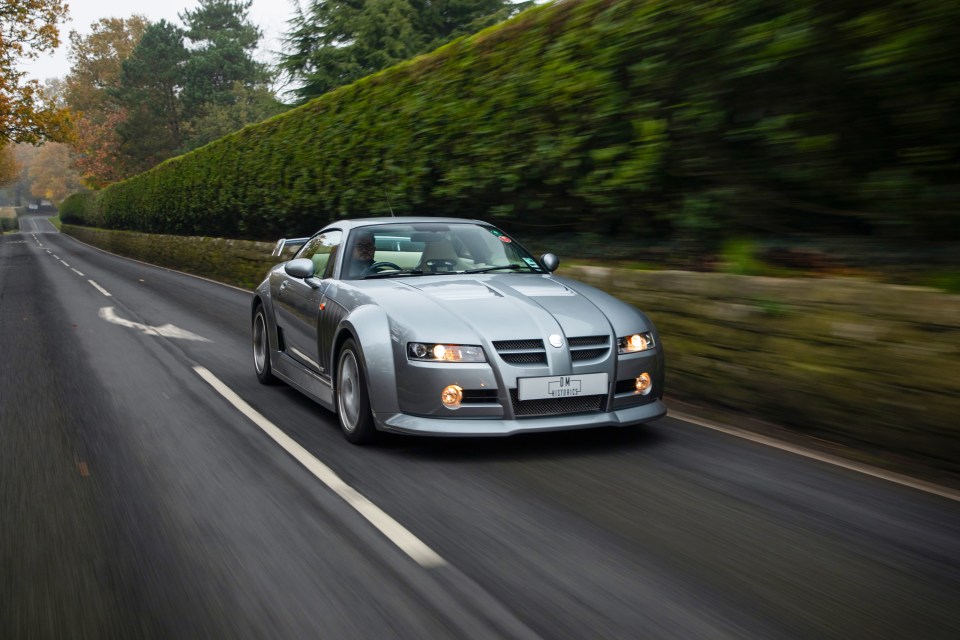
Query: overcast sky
270	15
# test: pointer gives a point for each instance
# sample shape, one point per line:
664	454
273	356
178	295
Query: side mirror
300	268
550	262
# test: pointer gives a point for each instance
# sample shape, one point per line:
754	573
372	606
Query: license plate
588	384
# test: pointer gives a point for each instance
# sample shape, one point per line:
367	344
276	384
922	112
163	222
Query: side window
322	249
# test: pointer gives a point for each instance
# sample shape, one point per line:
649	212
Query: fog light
451	396
644	383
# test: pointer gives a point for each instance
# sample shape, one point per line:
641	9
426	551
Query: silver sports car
449	327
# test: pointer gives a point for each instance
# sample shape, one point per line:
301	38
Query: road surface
151	488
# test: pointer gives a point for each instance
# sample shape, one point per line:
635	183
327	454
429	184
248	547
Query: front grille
588	347
524	358
555	406
587	354
521	351
514	345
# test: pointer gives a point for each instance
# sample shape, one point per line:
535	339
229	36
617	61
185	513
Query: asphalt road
136	501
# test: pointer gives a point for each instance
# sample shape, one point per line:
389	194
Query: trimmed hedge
689	118
80	208
8	219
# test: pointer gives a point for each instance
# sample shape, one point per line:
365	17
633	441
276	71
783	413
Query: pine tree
151	80
336	42
221	54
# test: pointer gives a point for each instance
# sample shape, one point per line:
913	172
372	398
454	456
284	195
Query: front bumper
416	425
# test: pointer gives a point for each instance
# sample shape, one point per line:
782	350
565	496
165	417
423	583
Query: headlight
636	342
428	352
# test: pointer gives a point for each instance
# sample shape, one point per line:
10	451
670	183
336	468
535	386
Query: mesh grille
589	341
524	358
554	406
521	351
588	354
512	345
589	347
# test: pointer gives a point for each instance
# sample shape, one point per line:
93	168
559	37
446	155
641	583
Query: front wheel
261	348
353	402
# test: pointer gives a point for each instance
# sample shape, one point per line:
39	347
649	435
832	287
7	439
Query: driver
362	256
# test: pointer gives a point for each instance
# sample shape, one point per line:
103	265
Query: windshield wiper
511	267
393	274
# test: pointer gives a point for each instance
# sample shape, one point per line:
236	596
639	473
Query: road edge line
859	467
393	530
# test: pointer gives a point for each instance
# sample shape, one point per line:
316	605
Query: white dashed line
397	533
100	289
65	264
75	271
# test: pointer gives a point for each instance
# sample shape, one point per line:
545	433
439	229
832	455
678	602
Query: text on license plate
588	384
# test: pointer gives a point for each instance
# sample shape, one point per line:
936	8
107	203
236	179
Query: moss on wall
868	362
236	262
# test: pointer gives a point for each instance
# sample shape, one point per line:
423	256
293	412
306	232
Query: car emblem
556	340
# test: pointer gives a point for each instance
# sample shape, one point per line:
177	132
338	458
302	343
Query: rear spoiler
283	243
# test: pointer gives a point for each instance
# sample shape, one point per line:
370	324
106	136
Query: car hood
500	307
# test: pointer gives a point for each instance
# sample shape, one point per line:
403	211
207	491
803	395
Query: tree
9	166
51	175
151	81
221	54
224	88
96	60
91	86
27	28
248	105
336	42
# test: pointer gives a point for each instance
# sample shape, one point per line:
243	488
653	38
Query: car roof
367	222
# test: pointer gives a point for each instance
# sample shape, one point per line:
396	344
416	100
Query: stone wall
874	364
237	262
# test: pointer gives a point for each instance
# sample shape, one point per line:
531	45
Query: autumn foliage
27	28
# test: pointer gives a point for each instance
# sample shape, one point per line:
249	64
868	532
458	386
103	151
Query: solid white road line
100	289
397	533
890	476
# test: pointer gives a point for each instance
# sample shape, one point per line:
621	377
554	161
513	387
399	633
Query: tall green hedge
682	118
80	208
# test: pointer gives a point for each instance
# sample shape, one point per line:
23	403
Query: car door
298	301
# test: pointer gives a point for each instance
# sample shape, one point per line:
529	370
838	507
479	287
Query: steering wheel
380	266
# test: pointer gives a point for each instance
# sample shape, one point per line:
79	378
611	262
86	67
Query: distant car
453	330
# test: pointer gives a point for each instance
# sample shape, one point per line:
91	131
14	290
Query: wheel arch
369	328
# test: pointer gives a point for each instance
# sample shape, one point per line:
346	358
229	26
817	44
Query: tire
261	348
353	401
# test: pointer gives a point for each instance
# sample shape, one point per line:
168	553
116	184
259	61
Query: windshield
391	250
